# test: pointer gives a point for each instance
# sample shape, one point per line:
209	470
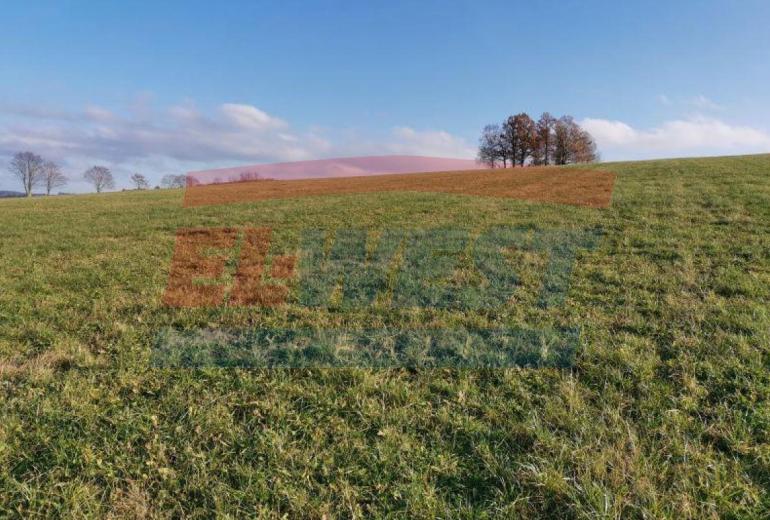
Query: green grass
666	412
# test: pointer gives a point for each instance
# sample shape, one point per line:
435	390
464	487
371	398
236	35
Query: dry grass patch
579	187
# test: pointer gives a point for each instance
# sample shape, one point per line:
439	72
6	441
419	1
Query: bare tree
28	168
511	137
582	146
100	177
140	181
527	131
502	149
573	144
562	149
520	134
52	177
545	138
489	144
248	176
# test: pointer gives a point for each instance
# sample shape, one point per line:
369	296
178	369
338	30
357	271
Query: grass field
665	413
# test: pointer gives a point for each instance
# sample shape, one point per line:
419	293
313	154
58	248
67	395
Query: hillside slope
664	411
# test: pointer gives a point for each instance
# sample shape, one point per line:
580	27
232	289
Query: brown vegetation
199	261
195	258
249	287
557	185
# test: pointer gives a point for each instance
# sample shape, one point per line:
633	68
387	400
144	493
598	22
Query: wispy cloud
236	132
677	138
182	137
408	141
701	102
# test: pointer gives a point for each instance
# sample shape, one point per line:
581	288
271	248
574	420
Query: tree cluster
34	171
174	181
521	141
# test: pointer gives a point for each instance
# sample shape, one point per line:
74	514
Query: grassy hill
663	413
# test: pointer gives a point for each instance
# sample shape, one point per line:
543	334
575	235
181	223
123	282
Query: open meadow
663	411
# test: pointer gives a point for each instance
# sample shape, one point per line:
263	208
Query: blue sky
164	87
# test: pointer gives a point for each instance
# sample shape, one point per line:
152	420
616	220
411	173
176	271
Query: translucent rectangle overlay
371	348
576	187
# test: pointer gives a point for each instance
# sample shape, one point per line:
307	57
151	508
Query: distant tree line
35	172
174	181
521	141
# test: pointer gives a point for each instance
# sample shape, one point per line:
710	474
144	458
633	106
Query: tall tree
28	168
527	131
573	144
100	177
489	145
52	177
562	134
502	147
511	137
519	132
545	138
582	146
140	181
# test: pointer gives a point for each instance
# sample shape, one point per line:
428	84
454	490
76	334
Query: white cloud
184	113
247	116
234	132
408	141
677	138
173	140
182	137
